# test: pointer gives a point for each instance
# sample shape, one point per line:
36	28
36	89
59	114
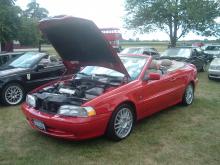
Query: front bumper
72	128
215	74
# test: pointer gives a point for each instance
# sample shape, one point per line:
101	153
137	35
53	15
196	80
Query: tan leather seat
154	67
166	63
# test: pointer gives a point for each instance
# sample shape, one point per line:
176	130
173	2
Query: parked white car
214	69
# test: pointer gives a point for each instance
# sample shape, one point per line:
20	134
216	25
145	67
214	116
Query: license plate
39	124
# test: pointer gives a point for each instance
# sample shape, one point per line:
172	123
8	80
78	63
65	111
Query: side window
44	62
210	48
147	53
54	60
50	61
153	53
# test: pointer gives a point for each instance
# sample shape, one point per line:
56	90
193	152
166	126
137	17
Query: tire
120	128
12	94
188	96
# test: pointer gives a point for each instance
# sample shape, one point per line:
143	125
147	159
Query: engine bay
73	92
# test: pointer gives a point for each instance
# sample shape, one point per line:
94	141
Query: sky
105	13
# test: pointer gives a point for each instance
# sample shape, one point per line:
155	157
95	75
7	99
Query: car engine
73	92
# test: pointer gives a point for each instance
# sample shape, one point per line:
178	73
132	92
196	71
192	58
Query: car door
159	94
43	74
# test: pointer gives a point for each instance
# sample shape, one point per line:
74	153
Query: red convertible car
110	93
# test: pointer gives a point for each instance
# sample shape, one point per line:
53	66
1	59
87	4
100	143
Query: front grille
47	106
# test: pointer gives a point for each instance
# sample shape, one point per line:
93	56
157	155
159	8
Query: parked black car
5	57
26	72
192	55
212	51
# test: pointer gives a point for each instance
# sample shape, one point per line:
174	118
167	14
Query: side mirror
152	76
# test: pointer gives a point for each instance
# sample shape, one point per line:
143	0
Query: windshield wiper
164	57
82	73
106	75
172	57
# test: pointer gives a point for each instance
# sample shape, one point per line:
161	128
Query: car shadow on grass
8	107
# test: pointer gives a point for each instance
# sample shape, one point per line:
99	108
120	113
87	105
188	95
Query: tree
35	11
29	33
175	17
9	21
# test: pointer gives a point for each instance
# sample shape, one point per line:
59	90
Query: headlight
31	101
75	111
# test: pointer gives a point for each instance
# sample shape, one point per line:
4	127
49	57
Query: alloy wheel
189	94
13	95
123	122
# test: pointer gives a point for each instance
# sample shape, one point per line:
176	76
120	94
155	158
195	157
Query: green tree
175	17
35	11
9	21
29	34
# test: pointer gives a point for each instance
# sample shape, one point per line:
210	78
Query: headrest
166	62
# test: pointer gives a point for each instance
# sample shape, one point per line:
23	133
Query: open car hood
80	42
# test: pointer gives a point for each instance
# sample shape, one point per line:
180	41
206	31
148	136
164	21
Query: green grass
177	136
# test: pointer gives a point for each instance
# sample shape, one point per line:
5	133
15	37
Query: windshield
134	65
176	52
132	51
27	60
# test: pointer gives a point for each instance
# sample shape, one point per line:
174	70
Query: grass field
176	136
